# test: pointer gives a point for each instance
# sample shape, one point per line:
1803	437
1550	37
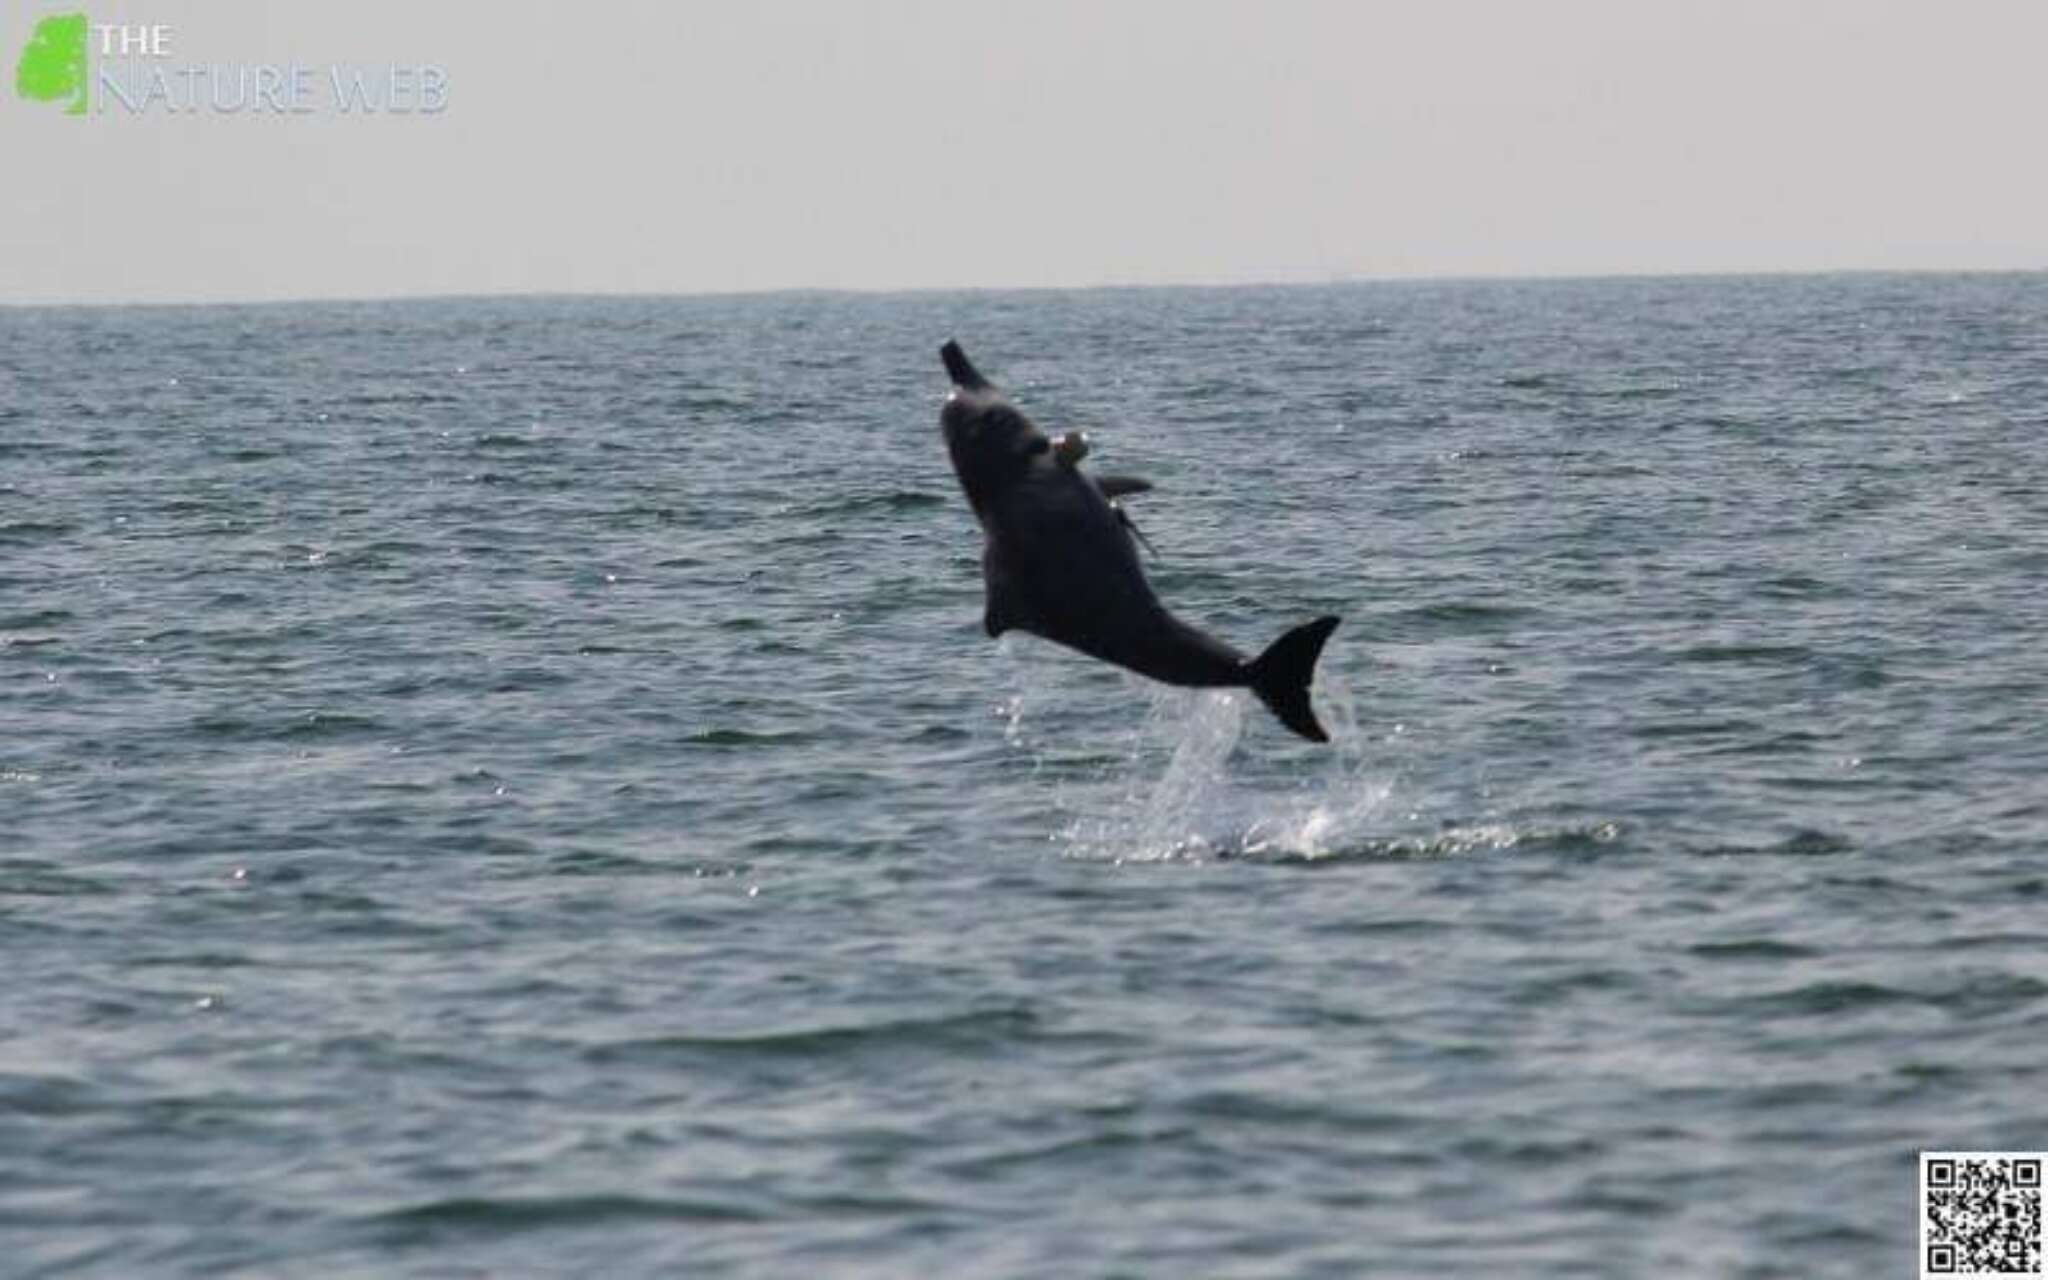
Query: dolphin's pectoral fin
1122	486
1002	610
1124	518
994	620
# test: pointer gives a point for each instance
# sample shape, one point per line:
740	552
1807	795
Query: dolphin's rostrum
1058	559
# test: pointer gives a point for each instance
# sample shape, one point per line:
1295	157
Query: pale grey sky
687	147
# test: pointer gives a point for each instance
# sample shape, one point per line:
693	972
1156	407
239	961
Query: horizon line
785	291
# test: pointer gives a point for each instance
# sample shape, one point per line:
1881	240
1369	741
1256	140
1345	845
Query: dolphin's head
992	443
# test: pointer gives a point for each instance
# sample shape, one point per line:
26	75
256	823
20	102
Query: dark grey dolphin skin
1058	560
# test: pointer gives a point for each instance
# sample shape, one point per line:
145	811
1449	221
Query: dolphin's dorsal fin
1122	486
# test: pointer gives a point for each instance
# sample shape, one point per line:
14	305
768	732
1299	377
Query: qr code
1980	1213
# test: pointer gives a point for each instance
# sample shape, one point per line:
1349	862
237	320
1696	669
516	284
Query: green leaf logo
52	65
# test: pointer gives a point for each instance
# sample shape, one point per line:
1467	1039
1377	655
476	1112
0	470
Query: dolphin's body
1058	559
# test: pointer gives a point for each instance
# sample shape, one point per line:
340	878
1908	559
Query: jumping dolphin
1058	560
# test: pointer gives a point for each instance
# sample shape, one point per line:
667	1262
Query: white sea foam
1183	790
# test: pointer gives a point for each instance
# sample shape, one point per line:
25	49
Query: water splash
1173	787
1174	814
1343	803
1196	806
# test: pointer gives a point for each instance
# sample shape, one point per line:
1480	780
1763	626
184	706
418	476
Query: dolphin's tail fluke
961	369
1281	676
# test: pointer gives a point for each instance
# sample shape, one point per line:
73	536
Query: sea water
520	786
